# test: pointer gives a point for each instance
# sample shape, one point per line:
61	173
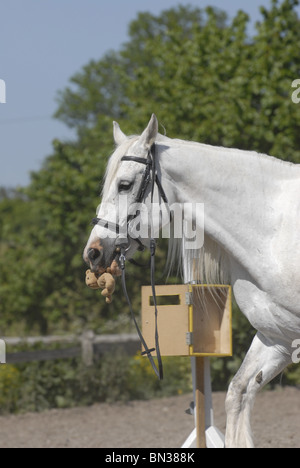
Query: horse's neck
238	189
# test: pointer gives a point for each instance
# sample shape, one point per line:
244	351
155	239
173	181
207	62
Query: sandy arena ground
148	424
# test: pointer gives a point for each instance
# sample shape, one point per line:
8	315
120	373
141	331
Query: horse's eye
125	186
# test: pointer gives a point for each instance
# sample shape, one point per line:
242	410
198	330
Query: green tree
203	76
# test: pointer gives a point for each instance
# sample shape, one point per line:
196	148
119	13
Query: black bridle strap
157	347
151	167
148	352
138	160
146	179
149	171
150	163
152	270
115	228
161	190
107	225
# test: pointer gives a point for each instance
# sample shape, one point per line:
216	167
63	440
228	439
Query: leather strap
157	369
150	175
136	159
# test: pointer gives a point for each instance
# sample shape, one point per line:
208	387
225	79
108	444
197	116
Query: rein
123	245
148	352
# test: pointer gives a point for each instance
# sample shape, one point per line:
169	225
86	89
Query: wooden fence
89	346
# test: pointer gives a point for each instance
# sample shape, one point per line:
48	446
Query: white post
213	437
2	352
87	348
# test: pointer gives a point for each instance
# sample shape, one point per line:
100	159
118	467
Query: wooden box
193	320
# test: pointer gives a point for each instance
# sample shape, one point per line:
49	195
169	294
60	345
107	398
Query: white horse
252	238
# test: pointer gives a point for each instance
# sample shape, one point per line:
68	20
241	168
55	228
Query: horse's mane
208	265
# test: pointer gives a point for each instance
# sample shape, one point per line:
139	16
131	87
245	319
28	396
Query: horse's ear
149	135
119	136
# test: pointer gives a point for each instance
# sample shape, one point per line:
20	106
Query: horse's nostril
93	254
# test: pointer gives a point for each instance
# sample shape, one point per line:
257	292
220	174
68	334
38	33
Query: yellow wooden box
193	320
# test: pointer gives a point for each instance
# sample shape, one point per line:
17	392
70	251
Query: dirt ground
148	424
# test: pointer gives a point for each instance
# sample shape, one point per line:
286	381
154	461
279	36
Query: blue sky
42	44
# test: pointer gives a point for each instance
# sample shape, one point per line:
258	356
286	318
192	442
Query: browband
138	160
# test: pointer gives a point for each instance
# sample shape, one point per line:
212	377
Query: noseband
123	245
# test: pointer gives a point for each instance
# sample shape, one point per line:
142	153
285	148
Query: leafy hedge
67	383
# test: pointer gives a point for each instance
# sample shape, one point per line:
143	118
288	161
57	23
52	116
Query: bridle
150	176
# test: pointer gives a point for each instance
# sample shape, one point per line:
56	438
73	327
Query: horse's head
123	222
